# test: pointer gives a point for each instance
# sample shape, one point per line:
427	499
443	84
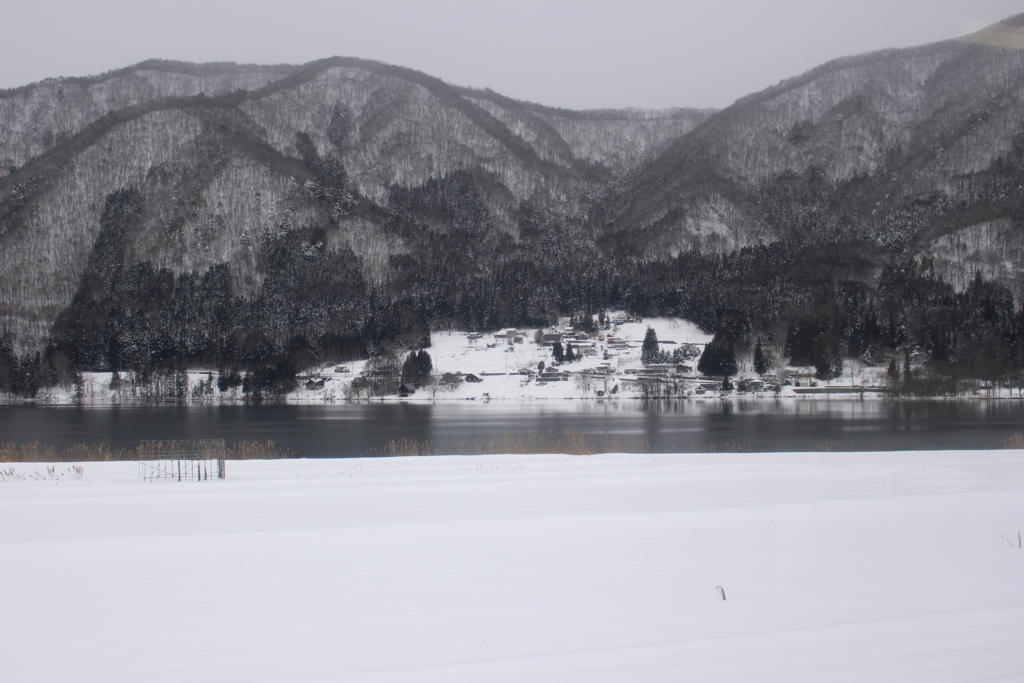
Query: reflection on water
589	426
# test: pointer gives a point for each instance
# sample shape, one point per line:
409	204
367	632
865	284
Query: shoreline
465	368
1006	395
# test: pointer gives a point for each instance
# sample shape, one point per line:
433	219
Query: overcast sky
567	53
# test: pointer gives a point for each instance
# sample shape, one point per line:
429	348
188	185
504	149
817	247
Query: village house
750	385
508	336
550	374
801	379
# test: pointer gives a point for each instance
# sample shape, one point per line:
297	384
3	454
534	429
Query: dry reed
33	451
1015	440
570	443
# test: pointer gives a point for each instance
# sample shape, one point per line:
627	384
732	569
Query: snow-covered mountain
226	156
346	199
918	149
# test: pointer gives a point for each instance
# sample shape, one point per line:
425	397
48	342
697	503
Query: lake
557	426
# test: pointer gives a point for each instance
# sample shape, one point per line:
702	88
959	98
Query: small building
750	385
507	336
801	379
550	374
653	370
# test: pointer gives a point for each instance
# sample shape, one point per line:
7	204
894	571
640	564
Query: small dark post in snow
721	591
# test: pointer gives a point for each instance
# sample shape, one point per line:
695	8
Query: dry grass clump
570	443
256	450
33	451
1015	440
51	474
26	452
406	447
727	447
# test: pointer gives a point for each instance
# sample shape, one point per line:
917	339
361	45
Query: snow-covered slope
896	147
225	157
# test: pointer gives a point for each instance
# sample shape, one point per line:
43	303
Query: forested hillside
302	197
268	217
895	149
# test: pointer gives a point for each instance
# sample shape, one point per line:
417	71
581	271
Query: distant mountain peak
1007	34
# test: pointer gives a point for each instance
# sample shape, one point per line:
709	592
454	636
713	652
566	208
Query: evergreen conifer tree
649	350
760	362
894	369
828	364
424	365
410	370
719	357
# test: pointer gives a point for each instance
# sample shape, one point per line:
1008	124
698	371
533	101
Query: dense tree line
814	304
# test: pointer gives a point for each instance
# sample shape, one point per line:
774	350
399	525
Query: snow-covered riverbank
837	567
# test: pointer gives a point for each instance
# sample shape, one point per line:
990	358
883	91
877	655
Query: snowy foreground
837	567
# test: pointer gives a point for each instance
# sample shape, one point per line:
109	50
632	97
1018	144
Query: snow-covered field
837	567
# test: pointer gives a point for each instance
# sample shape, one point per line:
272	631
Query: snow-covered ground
451	352
836	567
499	367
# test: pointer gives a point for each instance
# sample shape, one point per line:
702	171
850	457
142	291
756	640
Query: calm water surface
681	426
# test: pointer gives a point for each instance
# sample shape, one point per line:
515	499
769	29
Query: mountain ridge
804	108
336	206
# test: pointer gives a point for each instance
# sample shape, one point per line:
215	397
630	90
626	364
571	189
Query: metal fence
190	460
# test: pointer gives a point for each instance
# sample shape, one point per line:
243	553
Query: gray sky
567	53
